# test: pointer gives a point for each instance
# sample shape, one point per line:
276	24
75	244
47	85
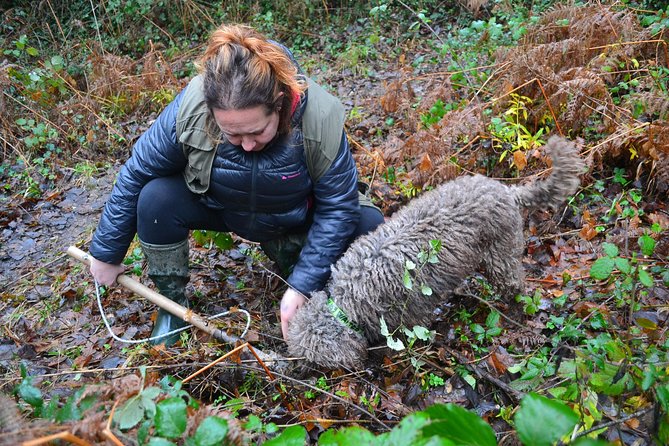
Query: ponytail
241	69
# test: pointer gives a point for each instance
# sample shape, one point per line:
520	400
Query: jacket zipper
252	197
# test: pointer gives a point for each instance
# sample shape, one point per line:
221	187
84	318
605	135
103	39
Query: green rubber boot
168	268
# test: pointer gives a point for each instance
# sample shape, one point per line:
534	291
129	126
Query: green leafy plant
530	303
412	270
629	271
488	331
71	410
134	259
209	239
511	128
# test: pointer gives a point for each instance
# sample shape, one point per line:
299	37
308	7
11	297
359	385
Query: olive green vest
322	125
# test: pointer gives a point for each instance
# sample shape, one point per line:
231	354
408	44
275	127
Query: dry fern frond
659	176
580	93
111	75
593	25
398	100
654	104
461	125
473	6
156	72
390	101
234	435
429	152
12	426
577	61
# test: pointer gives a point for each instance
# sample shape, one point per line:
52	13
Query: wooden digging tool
160	300
182	312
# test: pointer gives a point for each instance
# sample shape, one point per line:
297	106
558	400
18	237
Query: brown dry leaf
556	293
633	423
252	336
85	357
500	360
659	219
583	309
588	232
519	159
425	164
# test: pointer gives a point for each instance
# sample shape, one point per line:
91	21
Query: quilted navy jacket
261	195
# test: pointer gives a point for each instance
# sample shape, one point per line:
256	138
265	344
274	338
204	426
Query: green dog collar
339	314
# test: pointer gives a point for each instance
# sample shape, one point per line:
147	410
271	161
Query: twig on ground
628	417
514	394
330	394
65	435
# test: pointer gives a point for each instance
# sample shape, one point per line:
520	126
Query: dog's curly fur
479	223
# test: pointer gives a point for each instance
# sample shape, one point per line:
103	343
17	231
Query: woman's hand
290	302
105	273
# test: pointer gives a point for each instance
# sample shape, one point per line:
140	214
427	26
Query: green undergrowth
159	415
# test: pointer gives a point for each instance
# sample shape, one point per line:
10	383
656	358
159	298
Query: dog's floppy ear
315	334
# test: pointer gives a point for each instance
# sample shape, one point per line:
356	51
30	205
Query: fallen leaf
425	164
519	159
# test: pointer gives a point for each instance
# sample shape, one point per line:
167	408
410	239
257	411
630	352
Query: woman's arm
336	215
155	154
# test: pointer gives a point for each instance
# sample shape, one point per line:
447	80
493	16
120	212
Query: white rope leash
153	338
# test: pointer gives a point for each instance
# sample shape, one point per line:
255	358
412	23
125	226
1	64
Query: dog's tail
560	184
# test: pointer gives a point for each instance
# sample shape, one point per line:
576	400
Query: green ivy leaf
459	425
422	333
291	436
223	240
384	327
610	249
350	436
171	417
395	344
649	377
130	414
254	423
662	393
70	410
425	290
211	432
623	265
645	278
647	245
57	62
407	432
30	394
143	431
602	268
493	319
157	441
583	441
406	279
541	421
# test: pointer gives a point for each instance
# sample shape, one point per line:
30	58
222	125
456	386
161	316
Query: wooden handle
160	300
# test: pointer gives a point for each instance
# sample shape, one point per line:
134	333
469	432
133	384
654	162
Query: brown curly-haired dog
479	223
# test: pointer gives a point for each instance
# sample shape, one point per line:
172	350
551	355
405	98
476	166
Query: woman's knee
158	207
370	219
